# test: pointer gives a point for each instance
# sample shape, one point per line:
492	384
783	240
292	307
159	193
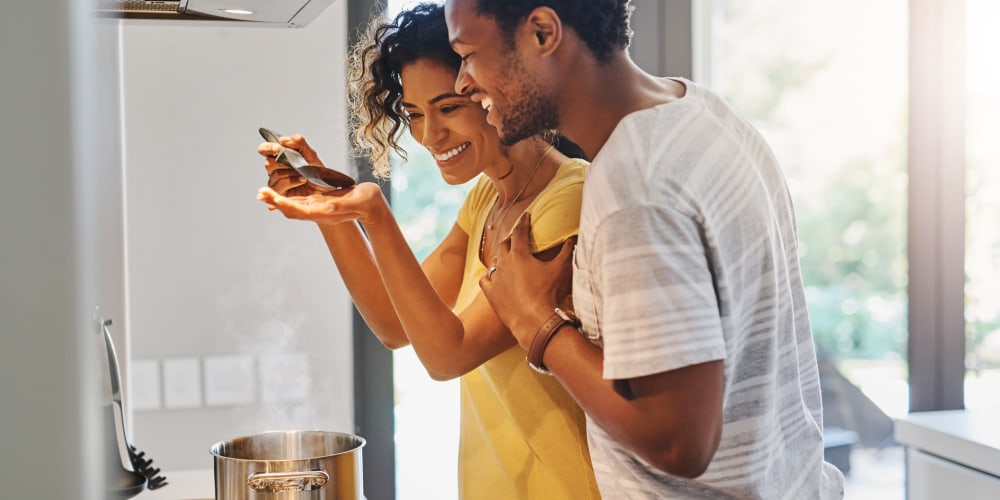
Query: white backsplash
216	282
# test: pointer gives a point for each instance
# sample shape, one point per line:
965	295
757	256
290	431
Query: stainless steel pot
289	465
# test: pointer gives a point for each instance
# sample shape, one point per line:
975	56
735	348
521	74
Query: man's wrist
552	325
526	324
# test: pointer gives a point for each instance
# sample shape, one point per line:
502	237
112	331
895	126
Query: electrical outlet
145	393
181	383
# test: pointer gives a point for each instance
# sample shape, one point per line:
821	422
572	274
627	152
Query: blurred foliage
424	205
853	261
850	198
853	257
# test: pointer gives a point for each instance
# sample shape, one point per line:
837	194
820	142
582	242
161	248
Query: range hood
290	13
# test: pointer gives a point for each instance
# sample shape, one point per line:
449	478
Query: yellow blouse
522	435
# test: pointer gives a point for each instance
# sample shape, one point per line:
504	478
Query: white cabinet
929	477
951	454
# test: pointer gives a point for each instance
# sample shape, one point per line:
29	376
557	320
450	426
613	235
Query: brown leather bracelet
544	335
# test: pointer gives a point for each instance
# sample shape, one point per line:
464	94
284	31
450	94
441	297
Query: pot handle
281	482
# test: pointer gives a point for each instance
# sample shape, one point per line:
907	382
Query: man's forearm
674	419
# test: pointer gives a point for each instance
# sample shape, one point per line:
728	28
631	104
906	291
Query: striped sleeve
659	307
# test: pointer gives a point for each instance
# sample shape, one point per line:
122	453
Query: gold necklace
495	221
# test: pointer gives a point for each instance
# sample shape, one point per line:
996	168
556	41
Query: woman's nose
433	132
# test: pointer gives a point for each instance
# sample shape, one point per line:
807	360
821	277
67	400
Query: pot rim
359	443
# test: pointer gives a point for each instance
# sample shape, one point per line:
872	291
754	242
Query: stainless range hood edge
288	13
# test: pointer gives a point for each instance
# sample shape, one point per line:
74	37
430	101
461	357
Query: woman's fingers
268	149
311	207
286	184
298	142
266	194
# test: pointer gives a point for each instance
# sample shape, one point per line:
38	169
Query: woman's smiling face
449	125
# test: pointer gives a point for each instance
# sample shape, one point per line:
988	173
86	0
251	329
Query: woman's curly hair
602	24
374	87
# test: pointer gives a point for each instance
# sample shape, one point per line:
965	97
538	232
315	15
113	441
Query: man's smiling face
494	74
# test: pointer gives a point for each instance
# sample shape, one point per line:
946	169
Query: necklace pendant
490	227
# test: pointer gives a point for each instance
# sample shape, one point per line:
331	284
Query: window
427	411
834	109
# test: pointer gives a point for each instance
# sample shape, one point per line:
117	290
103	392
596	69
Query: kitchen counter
184	485
951	454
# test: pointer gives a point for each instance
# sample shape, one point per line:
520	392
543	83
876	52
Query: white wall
213	276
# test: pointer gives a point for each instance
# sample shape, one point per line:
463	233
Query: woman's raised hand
283	180
363	202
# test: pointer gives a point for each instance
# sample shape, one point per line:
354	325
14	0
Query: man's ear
545	29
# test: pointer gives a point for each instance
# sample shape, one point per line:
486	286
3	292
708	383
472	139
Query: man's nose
463	82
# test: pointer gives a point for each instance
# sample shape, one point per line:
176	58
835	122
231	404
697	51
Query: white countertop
967	437
184	485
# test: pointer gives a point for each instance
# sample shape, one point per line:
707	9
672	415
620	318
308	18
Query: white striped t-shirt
687	254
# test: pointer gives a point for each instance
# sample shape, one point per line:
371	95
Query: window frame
936	205
373	366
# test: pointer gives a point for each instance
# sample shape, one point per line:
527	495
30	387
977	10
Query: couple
690	372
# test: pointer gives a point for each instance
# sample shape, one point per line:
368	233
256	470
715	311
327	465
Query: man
693	357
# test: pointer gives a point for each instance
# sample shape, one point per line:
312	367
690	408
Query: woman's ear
546	30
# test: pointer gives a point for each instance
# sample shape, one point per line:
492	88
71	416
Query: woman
522	436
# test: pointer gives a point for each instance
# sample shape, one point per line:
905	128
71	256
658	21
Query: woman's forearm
353	256
403	301
447	344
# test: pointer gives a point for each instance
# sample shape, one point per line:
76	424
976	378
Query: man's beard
531	113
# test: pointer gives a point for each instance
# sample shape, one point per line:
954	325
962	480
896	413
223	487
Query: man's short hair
602	24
